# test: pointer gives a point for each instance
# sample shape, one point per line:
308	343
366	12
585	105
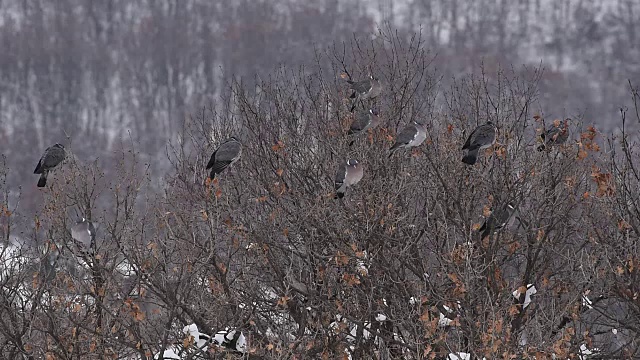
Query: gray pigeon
557	134
364	120
52	156
411	136
497	220
226	154
481	137
348	175
84	233
369	88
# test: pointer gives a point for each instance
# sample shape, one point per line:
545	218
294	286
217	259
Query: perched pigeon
364	120
481	137
84	233
497	220
226	154
411	136
52	156
348	175
369	88
557	134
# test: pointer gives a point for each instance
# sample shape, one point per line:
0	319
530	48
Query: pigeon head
352	162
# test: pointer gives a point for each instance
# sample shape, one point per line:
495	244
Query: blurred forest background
263	259
115	71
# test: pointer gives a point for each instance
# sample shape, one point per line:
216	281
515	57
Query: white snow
531	290
459	356
381	317
585	352
201	340
586	301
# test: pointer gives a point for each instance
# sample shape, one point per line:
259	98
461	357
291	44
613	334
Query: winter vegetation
144	245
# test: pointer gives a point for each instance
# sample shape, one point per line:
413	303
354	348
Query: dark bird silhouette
480	138
412	135
348	175
225	155
497	220
369	88
557	134
51	158
364	120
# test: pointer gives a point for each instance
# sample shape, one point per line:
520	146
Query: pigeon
411	136
226	154
52	156
557	134
348	175
369	88
364	120
481	137
84	233
497	220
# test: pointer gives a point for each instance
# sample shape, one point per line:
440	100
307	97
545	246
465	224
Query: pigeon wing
226	154
361	123
361	87
483	136
54	157
405	137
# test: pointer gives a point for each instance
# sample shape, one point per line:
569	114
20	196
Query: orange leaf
344	75
623	225
351	279
341	259
218	193
283	301
222	267
279	172
486	211
514	310
278	146
582	154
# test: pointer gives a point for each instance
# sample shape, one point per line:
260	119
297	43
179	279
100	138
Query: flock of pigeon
351	172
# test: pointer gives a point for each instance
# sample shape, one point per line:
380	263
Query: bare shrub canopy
419	260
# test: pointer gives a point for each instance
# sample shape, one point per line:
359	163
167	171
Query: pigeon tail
471	157
353	107
38	169
219	167
43	179
395	146
339	195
